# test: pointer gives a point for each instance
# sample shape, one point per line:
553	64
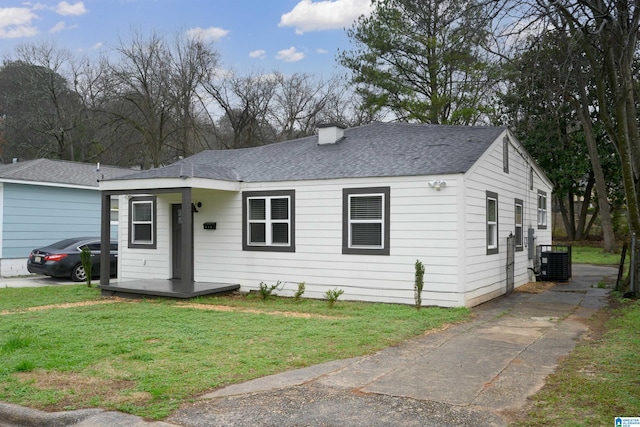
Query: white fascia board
49	184
160	183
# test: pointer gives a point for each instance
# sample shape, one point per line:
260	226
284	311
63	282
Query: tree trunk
581	230
606	222
592	220
566	219
601	186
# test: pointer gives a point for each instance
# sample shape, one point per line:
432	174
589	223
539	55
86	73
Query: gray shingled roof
374	150
59	172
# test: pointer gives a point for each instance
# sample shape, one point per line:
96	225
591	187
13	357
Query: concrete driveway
34	281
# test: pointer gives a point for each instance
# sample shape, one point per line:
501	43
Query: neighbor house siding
486	273
35	215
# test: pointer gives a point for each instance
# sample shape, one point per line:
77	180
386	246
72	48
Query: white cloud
207	34
259	54
65	9
57	28
324	15
96	46
322	51
290	55
16	22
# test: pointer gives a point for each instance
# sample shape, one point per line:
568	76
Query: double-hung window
518	225
268	219
142	222
365	221
492	222
542	210
114	209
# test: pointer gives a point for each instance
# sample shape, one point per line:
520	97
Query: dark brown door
176	240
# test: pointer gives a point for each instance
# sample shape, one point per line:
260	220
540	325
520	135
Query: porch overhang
125	186
182	186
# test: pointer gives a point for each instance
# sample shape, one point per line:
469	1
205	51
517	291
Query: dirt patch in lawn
254	311
535	287
75	391
182	305
64	305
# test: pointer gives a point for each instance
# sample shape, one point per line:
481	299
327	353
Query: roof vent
330	133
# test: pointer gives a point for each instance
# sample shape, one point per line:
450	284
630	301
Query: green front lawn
148	357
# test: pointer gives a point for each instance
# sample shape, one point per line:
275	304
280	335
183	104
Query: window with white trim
142	222
268	219
366	221
542	209
492	222
518	225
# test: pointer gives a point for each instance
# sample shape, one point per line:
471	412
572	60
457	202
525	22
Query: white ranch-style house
348	208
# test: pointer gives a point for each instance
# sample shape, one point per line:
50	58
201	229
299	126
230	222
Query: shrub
85	259
419	283
267	291
332	296
299	292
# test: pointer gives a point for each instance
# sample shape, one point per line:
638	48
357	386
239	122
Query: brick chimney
330	133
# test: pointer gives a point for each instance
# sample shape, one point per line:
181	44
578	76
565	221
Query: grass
14	298
599	380
147	357
594	255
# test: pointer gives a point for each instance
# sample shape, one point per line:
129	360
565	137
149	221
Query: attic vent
330	133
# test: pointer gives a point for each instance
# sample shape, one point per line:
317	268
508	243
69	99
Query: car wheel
78	274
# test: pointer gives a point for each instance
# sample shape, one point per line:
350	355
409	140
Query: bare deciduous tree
43	113
245	101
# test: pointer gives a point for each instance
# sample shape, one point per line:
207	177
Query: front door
176	240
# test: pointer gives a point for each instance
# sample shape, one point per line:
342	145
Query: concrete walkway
468	374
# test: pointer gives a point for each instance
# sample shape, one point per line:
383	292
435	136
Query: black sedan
62	259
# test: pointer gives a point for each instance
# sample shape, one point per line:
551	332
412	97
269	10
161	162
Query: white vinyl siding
485	276
424	225
146	262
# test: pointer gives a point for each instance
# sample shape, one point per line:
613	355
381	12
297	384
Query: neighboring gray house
43	201
349	208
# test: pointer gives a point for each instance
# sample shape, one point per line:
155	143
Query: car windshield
63	244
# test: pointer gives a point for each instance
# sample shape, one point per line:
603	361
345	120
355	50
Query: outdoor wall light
437	184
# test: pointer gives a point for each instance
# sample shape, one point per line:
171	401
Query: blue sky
250	35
